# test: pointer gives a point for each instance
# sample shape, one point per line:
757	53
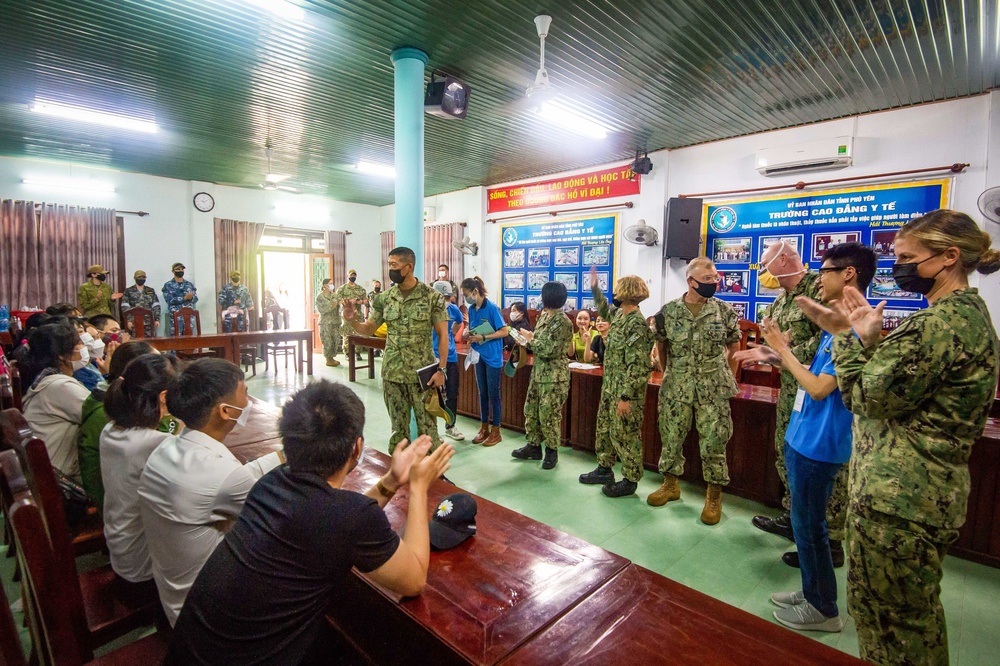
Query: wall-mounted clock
204	202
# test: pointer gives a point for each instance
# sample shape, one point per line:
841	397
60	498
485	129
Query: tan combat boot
484	431
668	492
712	513
494	437
332	362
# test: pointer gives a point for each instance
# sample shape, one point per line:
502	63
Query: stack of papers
583	366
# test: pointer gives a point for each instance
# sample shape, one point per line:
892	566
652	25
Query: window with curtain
336	245
388	241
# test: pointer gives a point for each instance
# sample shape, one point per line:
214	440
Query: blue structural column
408	64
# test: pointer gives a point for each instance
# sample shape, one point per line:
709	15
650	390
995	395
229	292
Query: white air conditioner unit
821	155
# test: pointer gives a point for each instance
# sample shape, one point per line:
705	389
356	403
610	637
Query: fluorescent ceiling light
570	120
282	8
74	184
275	177
96	117
376	169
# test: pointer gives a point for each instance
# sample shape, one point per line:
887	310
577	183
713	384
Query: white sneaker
788	599
805	617
454	433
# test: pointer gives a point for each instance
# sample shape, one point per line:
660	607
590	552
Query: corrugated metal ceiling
222	77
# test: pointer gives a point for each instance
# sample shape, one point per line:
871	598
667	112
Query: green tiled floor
732	561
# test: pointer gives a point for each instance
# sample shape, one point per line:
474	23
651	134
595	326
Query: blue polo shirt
454	317
491	351
821	430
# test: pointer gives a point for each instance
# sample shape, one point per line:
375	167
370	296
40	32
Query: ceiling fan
272	179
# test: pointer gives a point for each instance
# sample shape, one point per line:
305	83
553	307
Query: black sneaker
551	458
623	488
528	452
791	558
782	525
599	477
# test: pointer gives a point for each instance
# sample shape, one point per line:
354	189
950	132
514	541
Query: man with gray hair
696	337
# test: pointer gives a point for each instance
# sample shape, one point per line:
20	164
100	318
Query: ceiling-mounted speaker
447	98
682	228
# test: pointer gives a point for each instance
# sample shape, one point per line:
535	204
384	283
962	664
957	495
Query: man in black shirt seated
262	595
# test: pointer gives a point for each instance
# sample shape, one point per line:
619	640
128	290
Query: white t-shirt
123	457
190	494
54	410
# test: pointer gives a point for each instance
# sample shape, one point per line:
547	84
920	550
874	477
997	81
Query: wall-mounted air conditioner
821	155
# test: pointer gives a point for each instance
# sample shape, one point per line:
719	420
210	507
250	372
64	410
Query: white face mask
244	414
84	359
781	248
442	274
361	458
331	286
515	316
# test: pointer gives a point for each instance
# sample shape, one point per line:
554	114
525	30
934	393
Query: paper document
583	366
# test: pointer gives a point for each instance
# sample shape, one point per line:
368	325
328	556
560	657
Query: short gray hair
698	262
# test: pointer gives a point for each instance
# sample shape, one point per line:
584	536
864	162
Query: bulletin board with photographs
561	251
736	234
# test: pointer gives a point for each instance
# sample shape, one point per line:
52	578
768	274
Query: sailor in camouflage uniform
921	397
352	291
328	307
549	384
94	296
236	295
411	310
178	293
141	296
697	335
623	392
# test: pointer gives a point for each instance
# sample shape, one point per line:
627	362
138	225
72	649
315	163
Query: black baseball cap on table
453	522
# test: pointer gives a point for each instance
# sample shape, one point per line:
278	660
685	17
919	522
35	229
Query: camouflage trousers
836	507
330	336
894	587
619	438
400	398
543	408
714	421
786	401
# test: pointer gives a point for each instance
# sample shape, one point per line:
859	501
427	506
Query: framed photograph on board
508	301
586	303
731	251
884	244
534	302
570	304
537	280
567	256
513	281
761	309
884	286
513	258
823	242
596	255
733	282
538	257
740	307
568	279
767	241
603	279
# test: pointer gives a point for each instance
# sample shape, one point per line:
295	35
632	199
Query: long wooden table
371	343
228	345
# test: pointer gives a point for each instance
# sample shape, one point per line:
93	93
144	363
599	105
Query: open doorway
284	259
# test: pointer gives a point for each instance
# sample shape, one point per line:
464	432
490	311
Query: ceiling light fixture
97	117
376	169
282	8
572	121
74	184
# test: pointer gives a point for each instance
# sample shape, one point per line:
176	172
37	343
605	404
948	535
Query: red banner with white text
591	186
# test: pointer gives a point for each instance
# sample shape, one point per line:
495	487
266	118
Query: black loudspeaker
682	229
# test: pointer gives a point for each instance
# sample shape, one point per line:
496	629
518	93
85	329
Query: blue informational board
735	235
564	251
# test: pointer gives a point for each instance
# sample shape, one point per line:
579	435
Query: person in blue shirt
817	444
443	287
490	364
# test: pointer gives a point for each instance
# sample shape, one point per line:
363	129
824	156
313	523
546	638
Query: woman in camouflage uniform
921	396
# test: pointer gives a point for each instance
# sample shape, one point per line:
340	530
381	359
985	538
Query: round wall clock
204	202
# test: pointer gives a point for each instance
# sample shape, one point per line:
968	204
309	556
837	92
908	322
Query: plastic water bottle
4	318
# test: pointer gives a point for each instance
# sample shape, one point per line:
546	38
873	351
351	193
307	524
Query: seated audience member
63	310
20	353
99	354
595	352
193	487
519	320
53	405
262	596
93	420
109	328
135	404
583	336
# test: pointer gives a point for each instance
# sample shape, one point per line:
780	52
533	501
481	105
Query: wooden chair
187	314
56	636
746	328
276	349
140	322
13	486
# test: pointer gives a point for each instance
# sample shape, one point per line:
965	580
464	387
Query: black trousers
451	387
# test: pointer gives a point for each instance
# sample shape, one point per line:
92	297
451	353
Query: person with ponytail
921	396
490	364
135	404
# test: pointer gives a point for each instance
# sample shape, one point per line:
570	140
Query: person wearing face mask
411	310
781	266
330	323
91	373
355	293
519	320
53	404
141	296
192	487
376	290
236	303
444	273
95	296
178	293
921	396
598	343
696	336
490	364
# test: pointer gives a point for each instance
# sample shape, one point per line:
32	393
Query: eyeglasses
833	269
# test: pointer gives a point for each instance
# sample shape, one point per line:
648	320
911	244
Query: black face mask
352	279
396	276
615	301
179	274
378	290
102	278
236	280
908	279
706	289
141	281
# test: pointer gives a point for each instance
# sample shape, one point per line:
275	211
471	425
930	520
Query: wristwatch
443	371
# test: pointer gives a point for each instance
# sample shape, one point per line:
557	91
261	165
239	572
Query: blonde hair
631	289
699	262
942	229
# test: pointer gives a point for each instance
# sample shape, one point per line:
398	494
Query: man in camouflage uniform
352	291
94	296
235	295
623	391
549	384
411	310
141	296
178	293
696	336
328	307
782	266
376	290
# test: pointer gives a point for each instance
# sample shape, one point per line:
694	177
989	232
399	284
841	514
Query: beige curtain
236	246
388	242
19	285
336	245
103	243
438	249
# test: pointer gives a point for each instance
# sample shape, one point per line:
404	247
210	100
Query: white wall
175	231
